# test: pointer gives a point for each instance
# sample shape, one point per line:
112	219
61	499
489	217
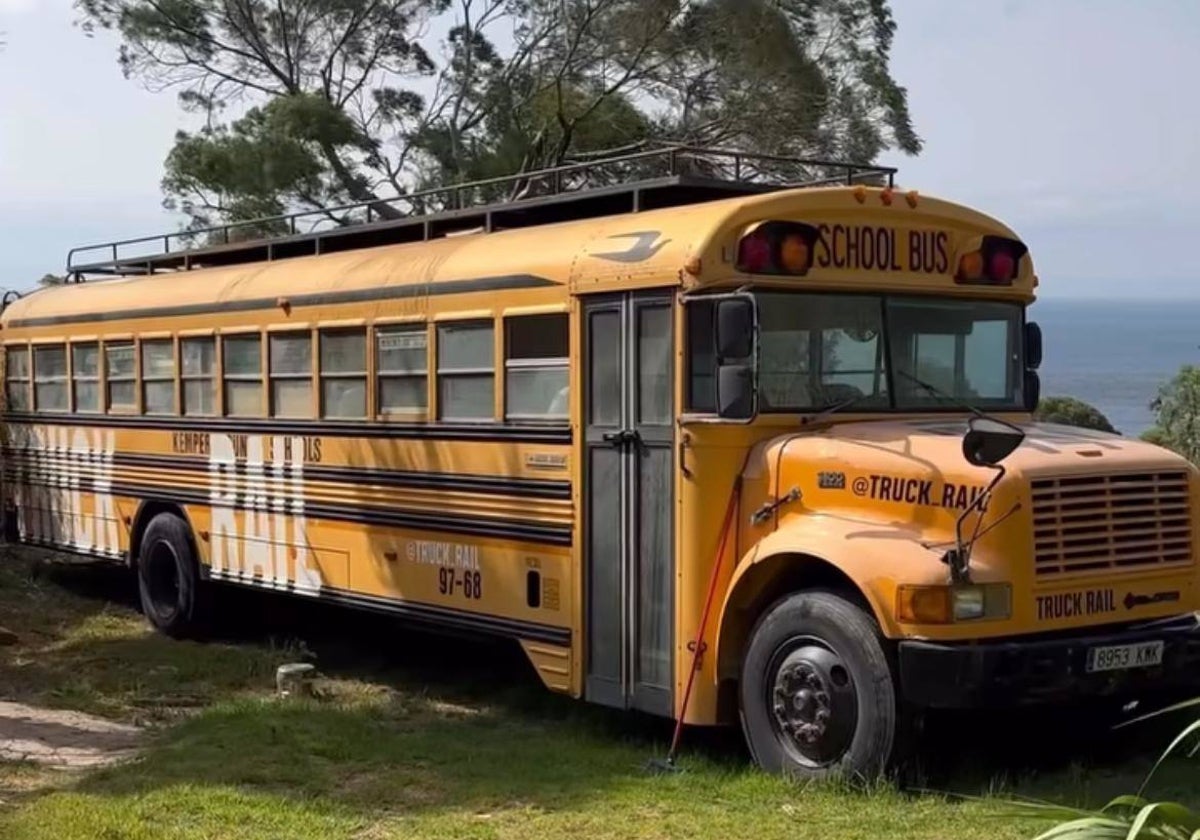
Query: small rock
8	637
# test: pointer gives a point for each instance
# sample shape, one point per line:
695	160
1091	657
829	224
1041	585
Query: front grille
1097	523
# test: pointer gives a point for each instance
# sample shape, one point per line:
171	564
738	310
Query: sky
1070	120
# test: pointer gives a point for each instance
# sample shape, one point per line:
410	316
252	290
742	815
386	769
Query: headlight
949	603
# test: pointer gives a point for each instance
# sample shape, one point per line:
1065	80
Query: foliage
1177	414
52	280
308	104
1072	412
1132	816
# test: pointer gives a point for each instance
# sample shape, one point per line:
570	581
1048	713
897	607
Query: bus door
629	546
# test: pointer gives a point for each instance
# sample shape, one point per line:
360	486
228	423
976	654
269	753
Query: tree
308	104
1072	412
52	280
1177	414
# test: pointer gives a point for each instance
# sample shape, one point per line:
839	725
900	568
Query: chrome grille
1096	523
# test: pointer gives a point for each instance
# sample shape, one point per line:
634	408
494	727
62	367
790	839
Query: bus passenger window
199	390
344	373
17	375
121	374
291	375
242	367
402	367
85	376
50	378
158	377
466	371
535	386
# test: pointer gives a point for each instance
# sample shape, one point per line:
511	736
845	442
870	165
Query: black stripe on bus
440	522
485	432
491	485
376	293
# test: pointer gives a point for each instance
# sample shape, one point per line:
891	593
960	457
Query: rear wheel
817	694
169	577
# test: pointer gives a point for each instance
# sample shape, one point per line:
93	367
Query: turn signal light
949	604
997	262
777	248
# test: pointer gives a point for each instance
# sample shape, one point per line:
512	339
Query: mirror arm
959	557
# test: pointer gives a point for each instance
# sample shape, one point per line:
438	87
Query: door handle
622	437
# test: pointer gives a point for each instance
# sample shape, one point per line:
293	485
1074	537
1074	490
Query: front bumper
1043	670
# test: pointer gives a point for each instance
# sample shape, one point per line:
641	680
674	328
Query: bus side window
291	361
121	374
85	376
402	369
536	367
343	373
199	387
158	377
701	394
16	367
241	362
50	378
466	371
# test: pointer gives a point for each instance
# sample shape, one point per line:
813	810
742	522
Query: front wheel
817	694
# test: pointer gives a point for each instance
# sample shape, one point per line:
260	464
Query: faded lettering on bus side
873	248
200	443
269	546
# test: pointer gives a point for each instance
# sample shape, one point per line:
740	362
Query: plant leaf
1180	738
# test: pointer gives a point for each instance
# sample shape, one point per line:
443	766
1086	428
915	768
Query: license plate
1120	657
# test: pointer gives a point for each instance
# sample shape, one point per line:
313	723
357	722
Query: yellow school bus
729	439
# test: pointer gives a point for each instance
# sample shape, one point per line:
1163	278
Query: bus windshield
817	350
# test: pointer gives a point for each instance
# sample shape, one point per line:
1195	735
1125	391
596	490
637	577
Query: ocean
1114	354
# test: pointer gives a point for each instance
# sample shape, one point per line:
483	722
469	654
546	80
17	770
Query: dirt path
63	739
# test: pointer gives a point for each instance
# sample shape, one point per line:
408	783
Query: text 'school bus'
711	446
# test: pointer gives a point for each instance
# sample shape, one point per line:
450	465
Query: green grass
419	737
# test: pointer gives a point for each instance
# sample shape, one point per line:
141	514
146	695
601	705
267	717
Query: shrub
1072	412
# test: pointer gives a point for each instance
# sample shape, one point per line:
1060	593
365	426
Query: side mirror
988	442
736	344
735	392
735	328
1033	390
1033	345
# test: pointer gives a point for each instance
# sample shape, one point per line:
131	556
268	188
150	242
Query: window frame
407	413
324	376
64	379
227	377
109	379
546	363
309	376
144	379
441	373
211	377
25	349
97	379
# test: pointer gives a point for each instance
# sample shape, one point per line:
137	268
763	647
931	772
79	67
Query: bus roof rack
662	176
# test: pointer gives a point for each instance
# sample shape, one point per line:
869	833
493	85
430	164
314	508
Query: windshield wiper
835	408
938	392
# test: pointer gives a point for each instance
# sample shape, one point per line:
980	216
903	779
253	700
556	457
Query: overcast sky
1074	121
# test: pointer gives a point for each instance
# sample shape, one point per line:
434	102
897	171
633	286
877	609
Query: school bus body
520	528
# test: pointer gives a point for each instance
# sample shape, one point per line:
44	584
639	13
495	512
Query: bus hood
912	473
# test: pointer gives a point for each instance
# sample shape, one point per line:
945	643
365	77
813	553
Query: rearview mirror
1033	390
735	328
988	442
735	392
1033	345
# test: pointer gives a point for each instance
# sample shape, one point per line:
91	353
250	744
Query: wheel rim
162	579
812	701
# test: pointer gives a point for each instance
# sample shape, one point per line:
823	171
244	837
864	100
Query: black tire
818	698
168	575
